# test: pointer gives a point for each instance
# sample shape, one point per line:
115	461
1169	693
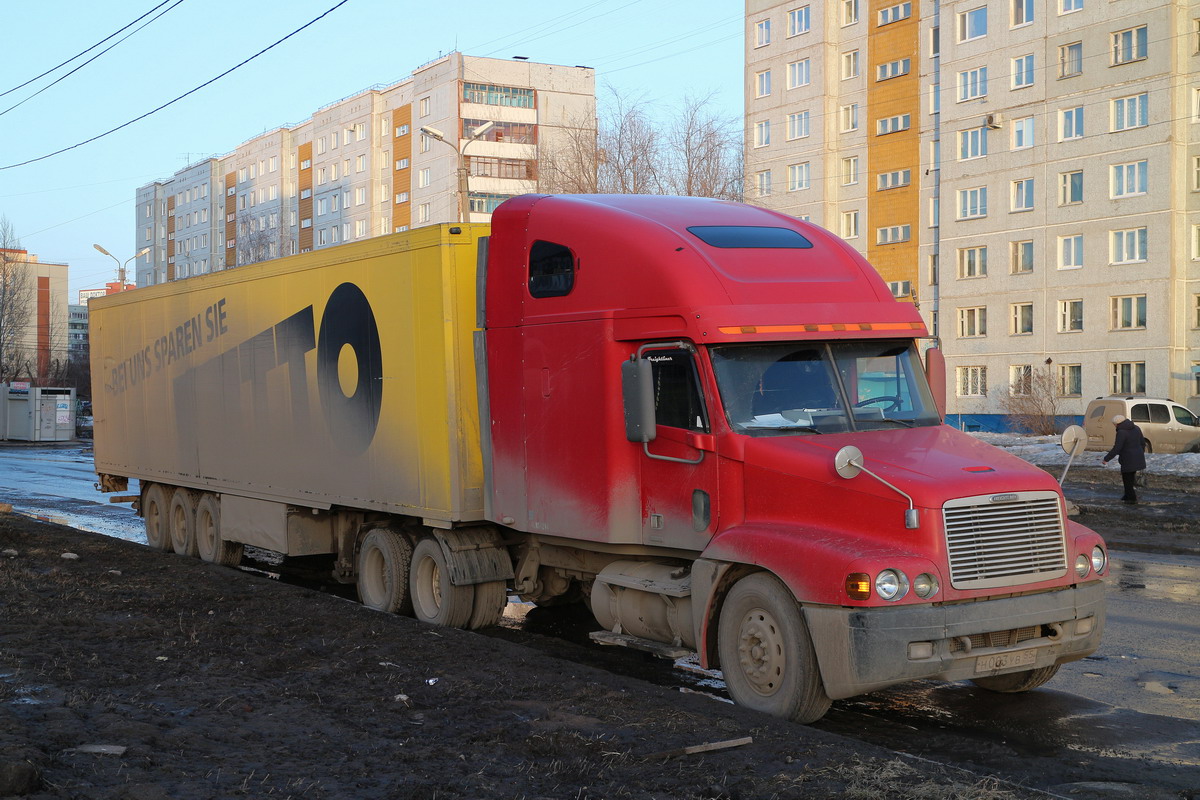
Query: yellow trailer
341	377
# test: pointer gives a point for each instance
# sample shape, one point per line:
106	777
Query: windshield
822	387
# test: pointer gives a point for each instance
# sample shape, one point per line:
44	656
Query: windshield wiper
904	422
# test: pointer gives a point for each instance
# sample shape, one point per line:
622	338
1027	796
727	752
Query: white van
1167	426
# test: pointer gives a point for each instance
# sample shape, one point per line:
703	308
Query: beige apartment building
33	318
1026	171
452	141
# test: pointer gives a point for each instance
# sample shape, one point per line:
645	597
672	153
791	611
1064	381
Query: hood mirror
848	462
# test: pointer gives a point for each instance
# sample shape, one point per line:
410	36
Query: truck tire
181	522
154	513
383	562
766	652
211	546
434	598
1017	681
488	608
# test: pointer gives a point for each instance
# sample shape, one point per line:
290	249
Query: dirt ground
128	673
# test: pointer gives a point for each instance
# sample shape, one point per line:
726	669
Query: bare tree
567	160
255	241
17	296
703	153
1031	402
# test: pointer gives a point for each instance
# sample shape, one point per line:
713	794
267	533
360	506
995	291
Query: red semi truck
707	420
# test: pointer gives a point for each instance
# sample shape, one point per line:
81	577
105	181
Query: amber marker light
826	327
858	586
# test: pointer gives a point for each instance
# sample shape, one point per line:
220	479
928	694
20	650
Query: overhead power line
85	52
209	82
66	75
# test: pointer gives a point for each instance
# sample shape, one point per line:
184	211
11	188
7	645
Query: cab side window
678	401
551	269
1185	417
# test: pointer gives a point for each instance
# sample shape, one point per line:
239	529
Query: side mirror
637	390
1074	440
848	463
935	375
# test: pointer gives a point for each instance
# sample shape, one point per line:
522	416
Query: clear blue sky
59	207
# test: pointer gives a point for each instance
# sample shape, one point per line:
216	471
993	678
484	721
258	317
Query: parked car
1168	426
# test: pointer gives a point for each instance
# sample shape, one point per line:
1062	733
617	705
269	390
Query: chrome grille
1004	540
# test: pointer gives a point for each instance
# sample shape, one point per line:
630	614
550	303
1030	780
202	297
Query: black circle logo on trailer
348	320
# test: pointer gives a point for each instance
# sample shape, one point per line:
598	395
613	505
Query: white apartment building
1027	171
380	161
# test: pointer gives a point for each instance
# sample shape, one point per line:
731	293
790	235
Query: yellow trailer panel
341	377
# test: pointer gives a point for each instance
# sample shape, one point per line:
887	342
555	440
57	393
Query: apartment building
450	142
34	342
1027	172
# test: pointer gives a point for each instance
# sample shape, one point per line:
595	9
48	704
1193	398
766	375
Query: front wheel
1017	681
766	653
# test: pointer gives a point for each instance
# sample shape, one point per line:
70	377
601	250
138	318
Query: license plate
998	661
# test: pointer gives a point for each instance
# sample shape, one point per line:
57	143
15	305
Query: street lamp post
121	267
464	195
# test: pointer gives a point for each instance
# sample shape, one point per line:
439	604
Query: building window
892	180
850	65
1022	195
972	262
1020	318
849	117
1067	6
901	122
849	224
1020	380
401	197
900	288
798	177
762	133
850	171
798	125
972	143
763	180
1071	123
1022	133
799	73
893	69
799	21
1129	179
1130	112
972	84
401	130
972	381
972	24
1070	252
1021	257
762	33
762	83
1022	71
360	163
1129	246
893	234
849	12
1128	312
972	203
1070	316
1128	377
1070	188
1070	380
895	13
1070	60
1129	45
972	322
360	195
423	178
401	163
1022	12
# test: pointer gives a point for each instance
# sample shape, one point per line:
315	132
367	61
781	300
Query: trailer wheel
181	522
211	546
383	563
766	653
1017	681
154	512
434	598
490	600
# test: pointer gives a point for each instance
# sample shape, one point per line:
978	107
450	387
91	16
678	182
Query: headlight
925	585
1099	559
891	584
1083	565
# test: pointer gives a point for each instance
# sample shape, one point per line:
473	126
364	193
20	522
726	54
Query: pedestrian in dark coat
1130	450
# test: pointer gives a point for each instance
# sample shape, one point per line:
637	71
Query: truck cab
711	421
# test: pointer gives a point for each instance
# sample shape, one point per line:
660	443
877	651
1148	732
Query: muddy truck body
708	421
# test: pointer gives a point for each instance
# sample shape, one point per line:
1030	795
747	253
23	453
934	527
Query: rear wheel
1017	681
211	546
383	563
488	608
435	599
154	514
766	653
182	523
